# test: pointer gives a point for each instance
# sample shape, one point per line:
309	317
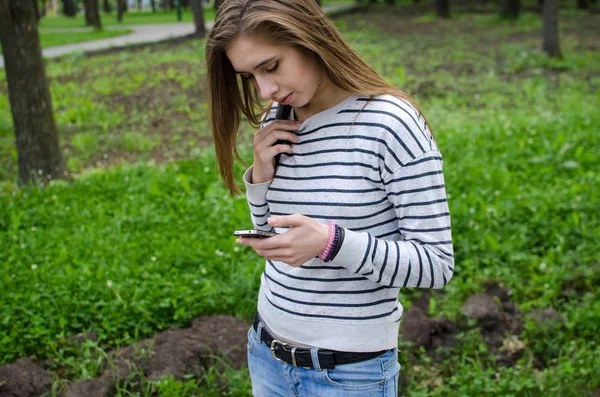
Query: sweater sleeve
423	257
256	194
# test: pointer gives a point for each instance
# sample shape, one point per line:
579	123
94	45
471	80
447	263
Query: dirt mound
493	313
175	352
23	378
423	331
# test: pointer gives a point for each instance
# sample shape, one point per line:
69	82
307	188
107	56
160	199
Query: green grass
53	39
129	18
518	132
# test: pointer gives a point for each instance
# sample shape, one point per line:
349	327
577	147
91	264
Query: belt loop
259	328
314	354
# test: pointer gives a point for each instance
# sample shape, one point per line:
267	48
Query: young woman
352	182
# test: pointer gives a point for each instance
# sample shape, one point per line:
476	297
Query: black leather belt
301	357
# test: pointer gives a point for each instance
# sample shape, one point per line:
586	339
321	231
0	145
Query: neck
327	96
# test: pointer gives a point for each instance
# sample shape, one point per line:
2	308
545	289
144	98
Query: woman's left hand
305	239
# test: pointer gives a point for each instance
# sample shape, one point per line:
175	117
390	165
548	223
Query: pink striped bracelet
330	242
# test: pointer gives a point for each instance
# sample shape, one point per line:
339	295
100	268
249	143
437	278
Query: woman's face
282	73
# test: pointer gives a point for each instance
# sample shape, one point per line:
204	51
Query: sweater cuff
353	250
255	192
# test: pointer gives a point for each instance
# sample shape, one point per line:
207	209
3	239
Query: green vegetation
52	39
133	249
129	18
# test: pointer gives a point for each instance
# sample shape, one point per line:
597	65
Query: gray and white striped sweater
372	167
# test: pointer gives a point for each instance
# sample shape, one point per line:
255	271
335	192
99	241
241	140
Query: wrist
332	239
258	177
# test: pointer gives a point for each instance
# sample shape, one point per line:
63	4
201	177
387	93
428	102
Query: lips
286	100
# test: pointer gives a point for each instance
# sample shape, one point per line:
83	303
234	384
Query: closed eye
274	68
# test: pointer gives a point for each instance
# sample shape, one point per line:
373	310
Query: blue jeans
271	378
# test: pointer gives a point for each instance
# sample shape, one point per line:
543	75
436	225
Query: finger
268	154
274	137
280	125
270	243
286	220
279	255
287	125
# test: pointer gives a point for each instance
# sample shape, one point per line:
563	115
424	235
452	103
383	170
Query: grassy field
141	239
129	18
53	39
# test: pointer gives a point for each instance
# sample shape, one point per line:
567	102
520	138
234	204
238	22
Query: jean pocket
251	339
389	363
362	376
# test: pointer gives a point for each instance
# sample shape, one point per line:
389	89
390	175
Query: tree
218	4
511	9
106	7
38	149
442	8
550	15
198	17
69	8
120	9
583	4
92	18
43	8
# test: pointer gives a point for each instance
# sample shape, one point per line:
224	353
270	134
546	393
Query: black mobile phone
283	113
254	233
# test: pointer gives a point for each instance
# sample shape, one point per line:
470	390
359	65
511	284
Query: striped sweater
374	169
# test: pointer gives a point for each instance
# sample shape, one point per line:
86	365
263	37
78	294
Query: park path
146	34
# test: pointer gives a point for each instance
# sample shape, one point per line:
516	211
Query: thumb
285	220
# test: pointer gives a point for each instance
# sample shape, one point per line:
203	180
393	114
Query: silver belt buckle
274	342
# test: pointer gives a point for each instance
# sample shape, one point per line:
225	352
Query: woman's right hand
265	149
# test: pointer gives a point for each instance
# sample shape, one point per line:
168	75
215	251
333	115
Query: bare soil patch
209	341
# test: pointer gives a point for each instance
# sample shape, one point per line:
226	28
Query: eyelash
274	68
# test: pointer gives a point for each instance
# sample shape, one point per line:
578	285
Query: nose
266	86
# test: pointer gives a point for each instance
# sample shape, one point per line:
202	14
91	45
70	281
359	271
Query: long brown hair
299	23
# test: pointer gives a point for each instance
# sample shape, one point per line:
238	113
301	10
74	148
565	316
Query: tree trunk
92	18
69	8
43	9
442	8
318	2
583	4
139	5
106	7
168	4
511	9
38	148
120	10
198	17
153	5
218	4
551	45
